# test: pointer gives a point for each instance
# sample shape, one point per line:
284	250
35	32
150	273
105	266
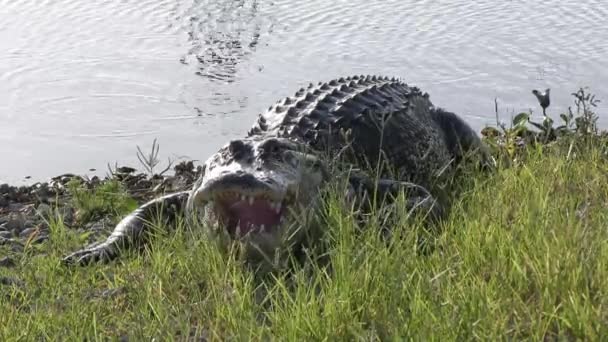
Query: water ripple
73	72
221	34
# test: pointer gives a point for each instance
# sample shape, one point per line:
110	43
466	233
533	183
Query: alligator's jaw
243	214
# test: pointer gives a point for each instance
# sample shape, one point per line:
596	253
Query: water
82	83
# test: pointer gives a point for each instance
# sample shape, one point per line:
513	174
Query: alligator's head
251	187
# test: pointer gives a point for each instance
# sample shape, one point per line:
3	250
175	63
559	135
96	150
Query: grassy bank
523	255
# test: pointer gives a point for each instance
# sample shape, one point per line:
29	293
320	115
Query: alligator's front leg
418	199
131	229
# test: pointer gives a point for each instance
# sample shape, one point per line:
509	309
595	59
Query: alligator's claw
95	253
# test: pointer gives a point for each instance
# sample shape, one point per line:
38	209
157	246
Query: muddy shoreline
25	210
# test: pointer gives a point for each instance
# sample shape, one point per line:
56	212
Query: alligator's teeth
262	227
277	207
243	197
250	200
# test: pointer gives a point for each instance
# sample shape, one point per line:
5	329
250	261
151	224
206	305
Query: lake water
82	83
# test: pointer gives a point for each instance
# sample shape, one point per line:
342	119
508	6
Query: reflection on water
82	83
221	34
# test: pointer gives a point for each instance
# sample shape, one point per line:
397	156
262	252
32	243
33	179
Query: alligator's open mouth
242	213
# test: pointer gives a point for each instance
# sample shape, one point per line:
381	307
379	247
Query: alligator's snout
245	203
241	181
251	186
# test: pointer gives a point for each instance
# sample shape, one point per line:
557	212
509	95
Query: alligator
253	188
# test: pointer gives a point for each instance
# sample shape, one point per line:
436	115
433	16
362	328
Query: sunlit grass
523	255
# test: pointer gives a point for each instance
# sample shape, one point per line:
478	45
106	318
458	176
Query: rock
43	193
30	222
16	206
125	170
185	167
67	214
142	184
40	239
17	247
5	235
7	281
95	180
26	233
7	262
101	225
99	229
44	210
111	293
16	222
66	178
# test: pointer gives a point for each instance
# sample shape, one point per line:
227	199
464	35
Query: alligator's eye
275	148
271	146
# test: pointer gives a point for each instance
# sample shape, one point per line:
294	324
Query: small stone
43	193
16	222
40	239
27	232
29	223
111	293
11	281
7	262
5	234
44	210
95	181
15	245
67	214
98	225
15	206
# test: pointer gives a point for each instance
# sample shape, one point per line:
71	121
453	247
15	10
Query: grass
109	197
523	255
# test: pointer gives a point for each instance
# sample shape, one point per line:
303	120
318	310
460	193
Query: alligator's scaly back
381	113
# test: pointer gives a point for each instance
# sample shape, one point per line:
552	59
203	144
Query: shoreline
25	211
